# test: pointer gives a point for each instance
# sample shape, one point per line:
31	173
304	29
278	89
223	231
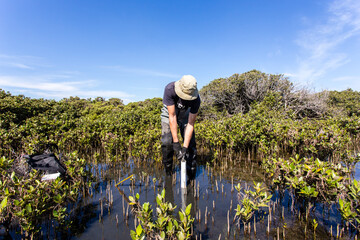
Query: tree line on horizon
224	97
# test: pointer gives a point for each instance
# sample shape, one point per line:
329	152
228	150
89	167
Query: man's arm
189	129
173	122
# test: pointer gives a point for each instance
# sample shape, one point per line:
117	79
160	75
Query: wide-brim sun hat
186	88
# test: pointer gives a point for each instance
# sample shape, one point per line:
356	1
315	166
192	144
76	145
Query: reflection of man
181	105
169	193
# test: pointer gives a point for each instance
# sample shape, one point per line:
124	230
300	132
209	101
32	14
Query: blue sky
132	49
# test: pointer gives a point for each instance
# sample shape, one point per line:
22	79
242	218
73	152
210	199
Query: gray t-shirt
170	98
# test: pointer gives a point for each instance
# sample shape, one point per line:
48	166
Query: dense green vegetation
346	102
28	200
253	114
91	127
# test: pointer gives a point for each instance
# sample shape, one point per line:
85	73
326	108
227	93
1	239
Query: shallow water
211	191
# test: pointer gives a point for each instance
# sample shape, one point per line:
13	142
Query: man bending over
181	105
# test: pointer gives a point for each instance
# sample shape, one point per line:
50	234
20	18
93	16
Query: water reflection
169	193
357	171
210	190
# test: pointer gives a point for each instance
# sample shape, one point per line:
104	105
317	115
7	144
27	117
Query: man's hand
180	152
184	153
177	149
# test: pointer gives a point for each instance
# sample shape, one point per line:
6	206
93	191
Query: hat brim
183	95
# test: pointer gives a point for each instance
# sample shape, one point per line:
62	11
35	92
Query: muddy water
210	190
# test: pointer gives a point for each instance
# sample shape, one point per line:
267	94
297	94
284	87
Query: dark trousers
167	140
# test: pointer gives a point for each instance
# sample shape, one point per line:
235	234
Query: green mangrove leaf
176	224
162	235
188	208
133	235
158	200
181	216
139	230
181	236
55	213
3	204
28	208
146	206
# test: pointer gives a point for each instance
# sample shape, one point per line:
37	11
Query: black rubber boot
168	153
191	159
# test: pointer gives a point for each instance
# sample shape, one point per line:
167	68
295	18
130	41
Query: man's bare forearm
173	128
189	129
188	134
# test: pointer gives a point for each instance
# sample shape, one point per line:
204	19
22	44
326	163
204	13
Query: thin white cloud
23	57
43	86
21	62
290	75
35	83
53	84
16	65
20	65
320	44
139	71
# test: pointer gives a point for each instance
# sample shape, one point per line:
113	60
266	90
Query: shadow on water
105	214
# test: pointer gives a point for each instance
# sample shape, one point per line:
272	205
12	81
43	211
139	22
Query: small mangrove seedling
166	226
315	225
251	201
347	213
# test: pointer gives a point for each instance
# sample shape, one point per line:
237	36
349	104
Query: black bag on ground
45	162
